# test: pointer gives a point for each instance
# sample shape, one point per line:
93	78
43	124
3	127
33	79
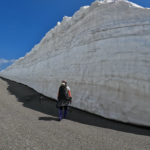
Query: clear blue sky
23	23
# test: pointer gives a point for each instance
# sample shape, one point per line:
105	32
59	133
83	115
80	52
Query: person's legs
60	112
65	111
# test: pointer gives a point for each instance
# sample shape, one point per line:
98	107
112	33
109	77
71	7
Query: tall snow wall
103	51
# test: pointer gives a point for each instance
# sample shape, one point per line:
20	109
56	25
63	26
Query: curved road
29	122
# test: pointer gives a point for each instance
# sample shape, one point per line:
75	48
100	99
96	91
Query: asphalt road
29	122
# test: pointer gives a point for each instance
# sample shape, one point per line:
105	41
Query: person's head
64	81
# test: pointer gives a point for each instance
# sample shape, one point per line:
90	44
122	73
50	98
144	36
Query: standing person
64	98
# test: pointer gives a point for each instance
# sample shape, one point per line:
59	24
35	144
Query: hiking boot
65	114
60	115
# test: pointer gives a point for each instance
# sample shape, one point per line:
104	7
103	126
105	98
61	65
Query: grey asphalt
29	122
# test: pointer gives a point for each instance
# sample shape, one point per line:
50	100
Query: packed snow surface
103	51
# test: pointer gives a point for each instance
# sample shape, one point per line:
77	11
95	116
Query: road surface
29	122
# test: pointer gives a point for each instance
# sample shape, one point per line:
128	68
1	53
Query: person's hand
70	100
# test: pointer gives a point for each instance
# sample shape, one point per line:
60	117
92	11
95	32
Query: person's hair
64	81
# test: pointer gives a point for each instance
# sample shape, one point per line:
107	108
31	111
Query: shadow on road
48	118
33	100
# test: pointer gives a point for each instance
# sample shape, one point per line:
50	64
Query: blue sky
23	23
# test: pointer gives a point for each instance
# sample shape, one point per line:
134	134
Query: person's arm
69	93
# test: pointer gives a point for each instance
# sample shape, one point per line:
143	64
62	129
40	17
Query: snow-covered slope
103	51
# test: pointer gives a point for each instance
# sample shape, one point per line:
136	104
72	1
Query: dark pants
61	107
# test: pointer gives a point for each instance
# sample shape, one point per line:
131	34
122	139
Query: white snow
103	51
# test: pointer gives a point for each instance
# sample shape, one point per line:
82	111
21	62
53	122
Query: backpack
63	93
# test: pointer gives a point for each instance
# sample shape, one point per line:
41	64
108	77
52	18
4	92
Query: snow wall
103	51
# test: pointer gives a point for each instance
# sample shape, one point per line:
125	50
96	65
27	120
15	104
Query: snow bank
103	51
